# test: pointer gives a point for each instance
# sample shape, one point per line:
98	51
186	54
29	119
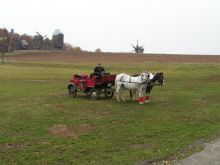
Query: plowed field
113	57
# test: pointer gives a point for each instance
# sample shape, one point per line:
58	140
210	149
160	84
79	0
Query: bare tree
98	50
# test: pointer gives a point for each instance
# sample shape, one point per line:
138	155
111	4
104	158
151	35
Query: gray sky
163	26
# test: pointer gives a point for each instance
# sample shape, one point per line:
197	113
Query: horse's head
145	76
160	78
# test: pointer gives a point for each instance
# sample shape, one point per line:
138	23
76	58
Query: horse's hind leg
117	92
122	95
133	94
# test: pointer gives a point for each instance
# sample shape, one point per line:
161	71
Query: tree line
10	41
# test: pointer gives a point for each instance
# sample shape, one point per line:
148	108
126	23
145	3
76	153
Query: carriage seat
82	76
77	76
93	74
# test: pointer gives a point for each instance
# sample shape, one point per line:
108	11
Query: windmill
39	41
137	48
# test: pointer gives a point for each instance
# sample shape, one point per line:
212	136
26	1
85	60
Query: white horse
124	81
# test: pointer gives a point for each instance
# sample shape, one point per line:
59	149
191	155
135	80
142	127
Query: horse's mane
155	74
135	75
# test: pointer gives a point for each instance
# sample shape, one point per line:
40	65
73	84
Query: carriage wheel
72	91
109	93
94	94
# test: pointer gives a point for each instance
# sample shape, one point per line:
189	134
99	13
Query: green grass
33	98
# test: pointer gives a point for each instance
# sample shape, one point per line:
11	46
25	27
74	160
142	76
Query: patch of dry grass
70	131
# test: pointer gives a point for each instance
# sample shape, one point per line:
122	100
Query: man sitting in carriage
99	70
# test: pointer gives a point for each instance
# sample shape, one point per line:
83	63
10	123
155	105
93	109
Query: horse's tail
131	93
118	79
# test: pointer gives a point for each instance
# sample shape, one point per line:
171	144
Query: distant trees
17	41
4	39
69	47
98	50
14	41
4	32
77	49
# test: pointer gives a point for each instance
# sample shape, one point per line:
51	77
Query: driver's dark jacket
99	71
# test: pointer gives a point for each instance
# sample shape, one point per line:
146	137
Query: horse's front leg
147	98
117	95
141	95
136	95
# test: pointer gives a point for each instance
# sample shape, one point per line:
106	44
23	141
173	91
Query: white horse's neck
151	76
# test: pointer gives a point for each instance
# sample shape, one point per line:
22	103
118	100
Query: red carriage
92	85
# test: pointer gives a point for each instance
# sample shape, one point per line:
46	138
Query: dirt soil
70	131
111	58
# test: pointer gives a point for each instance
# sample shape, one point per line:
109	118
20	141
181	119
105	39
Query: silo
57	39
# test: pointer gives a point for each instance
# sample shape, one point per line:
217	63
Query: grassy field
40	124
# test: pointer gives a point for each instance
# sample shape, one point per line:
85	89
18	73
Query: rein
154	84
135	82
157	84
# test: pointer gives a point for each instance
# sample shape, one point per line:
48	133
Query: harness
129	81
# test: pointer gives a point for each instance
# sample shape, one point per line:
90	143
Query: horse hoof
141	103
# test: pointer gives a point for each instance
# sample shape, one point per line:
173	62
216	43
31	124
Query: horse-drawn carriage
92	85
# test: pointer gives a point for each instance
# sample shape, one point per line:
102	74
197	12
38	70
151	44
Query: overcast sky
163	26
